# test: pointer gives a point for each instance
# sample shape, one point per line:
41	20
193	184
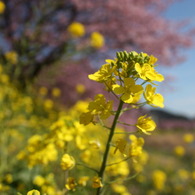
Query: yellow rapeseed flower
128	91
97	40
71	184
145	124
39	180
104	75
83	180
76	29
100	106
96	182
188	138
43	91
80	88
48	104
179	150
56	92
67	162
136	145
159	179
155	100
2	7
147	72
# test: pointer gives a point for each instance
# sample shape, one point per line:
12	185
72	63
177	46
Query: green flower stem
126	179
103	166
80	164
122	123
125	159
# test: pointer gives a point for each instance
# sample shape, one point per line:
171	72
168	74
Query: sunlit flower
128	91
145	124
104	75
147	72
155	100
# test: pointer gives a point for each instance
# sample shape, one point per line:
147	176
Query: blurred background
47	49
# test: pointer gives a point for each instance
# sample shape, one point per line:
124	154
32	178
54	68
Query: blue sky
181	98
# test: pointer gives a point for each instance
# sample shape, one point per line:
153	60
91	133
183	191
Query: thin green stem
126	179
118	162
80	164
124	132
111	91
103	166
122	123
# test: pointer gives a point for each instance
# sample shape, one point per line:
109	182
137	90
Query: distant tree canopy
37	30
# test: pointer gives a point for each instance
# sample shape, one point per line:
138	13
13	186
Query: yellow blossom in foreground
96	182
128	91
155	100
99	107
76	29
97	40
33	192
159	179
2	7
67	162
147	72
145	124
104	75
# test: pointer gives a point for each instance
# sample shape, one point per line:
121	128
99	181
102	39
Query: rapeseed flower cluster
129	77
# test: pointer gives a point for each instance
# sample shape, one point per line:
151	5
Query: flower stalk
105	157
